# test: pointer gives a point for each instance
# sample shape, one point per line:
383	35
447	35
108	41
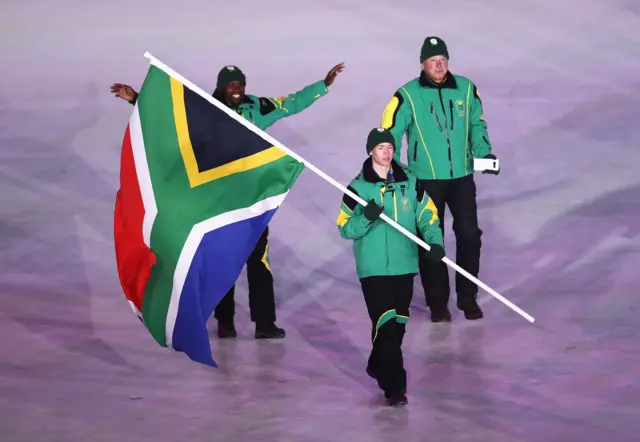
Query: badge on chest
400	191
405	204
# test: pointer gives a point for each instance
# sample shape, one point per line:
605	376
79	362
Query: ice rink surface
560	82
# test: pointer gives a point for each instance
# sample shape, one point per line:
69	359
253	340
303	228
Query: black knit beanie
431	47
377	136
228	74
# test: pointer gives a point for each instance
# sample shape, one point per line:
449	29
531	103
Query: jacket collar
448	83
371	176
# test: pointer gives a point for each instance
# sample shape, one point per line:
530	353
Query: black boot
269	330
226	330
371	372
397	399
472	310
441	315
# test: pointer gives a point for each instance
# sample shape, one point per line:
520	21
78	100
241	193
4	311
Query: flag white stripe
144	177
193	242
136	311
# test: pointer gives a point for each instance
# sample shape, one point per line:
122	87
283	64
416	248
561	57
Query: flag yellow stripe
182	130
197	178
241	165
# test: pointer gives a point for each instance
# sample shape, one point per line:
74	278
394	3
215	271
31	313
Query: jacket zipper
386	231
446	131
451	112
415	151
395	216
433	108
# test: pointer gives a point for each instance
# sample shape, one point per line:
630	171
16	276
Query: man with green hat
441	115
263	112
386	259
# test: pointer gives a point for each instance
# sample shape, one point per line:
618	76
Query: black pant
388	299
261	296
460	196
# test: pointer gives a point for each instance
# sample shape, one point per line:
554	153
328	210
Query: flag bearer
263	112
386	259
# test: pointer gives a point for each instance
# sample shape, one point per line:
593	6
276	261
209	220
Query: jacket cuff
134	99
320	88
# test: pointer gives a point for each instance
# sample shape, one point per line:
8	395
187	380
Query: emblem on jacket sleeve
280	101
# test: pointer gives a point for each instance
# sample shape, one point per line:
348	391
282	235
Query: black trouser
388	299
460	196
261	296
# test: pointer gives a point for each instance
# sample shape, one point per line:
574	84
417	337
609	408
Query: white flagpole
154	61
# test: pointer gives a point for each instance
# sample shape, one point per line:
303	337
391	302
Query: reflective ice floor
560	87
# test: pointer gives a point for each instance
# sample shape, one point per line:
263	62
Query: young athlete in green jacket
386	259
263	112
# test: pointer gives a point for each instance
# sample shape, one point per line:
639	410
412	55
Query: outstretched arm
274	109
125	92
396	117
351	221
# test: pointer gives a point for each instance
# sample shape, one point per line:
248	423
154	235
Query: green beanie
377	136
431	47
228	74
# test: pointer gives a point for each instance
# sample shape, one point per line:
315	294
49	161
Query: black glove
436	253
492	172
372	211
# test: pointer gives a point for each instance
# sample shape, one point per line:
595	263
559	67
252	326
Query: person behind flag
442	117
198	188
262	112
386	259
